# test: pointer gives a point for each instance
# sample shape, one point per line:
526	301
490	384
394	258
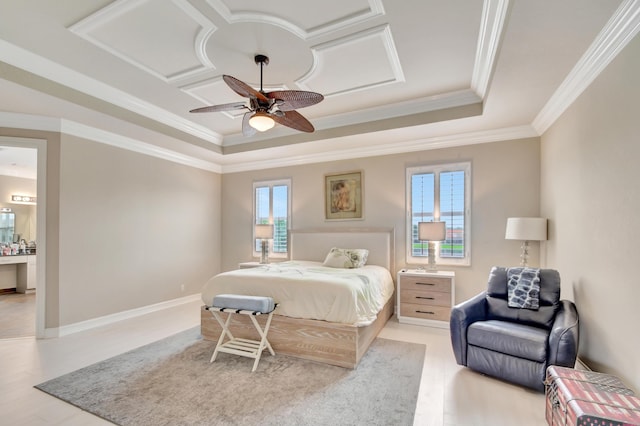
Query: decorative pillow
346	258
523	288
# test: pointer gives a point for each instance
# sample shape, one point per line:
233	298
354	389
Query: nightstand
425	297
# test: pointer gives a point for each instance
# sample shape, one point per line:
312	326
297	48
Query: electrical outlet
181	287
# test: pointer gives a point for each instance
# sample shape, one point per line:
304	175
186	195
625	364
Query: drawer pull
425	312
424	297
425	283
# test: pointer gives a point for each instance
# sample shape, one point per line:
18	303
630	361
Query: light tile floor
449	394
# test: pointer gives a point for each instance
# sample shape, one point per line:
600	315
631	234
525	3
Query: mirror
7	227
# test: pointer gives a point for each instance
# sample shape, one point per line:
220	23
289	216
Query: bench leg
264	343
225	332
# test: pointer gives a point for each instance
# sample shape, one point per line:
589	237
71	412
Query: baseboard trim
119	316
582	364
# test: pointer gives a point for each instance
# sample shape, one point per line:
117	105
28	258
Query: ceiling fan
267	108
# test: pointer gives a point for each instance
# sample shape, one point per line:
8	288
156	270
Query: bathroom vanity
19	272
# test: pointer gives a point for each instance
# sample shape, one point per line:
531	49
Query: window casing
440	193
272	204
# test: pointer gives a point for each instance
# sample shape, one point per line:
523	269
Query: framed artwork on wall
343	196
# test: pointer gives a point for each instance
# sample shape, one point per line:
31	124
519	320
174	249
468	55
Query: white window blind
272	203
439	193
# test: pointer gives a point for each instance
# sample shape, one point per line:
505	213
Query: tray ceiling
390	71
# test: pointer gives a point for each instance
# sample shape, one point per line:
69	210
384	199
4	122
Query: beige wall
505	175
107	214
590	178
134	229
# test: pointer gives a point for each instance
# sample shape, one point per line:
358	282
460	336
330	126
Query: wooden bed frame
328	342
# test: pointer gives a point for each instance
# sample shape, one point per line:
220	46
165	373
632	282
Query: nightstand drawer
438	313
426	283
425	297
419	297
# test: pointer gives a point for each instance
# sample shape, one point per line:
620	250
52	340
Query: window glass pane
272	205
422	208
262	210
262	205
280	205
452	212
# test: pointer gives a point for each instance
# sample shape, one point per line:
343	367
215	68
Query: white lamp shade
264	232
432	231
526	229
261	122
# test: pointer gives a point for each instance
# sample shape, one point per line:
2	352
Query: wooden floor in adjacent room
17	315
449	394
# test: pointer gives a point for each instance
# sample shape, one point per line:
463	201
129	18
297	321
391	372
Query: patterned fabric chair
515	344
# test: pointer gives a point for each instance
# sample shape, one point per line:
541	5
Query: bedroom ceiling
395	75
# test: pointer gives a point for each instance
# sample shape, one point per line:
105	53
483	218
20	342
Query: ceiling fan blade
221	107
293	119
247	130
288	100
243	89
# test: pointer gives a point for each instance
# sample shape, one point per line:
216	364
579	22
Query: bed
334	339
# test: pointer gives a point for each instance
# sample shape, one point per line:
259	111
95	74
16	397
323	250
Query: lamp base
432	257
264	258
524	254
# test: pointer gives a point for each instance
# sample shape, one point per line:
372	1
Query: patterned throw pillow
346	258
523	288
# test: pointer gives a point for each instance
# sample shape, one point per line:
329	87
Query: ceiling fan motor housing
261	59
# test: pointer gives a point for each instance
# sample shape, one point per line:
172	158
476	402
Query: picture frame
343	196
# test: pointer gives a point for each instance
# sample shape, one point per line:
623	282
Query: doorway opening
22	219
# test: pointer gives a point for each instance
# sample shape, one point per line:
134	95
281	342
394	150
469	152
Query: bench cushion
248	303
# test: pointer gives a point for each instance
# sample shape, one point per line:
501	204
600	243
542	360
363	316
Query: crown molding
53	71
109	138
621	28
48	124
391	147
492	26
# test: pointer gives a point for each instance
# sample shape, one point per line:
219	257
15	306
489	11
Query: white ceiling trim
431	103
375	9
383	33
84	28
492	26
119	141
621	28
27	121
49	124
53	71
393	147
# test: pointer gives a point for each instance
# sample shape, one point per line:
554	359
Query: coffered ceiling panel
305	19
357	62
163	37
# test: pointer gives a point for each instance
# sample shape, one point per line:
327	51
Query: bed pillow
346	258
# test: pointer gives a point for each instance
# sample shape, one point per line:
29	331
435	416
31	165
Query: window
440	193
272	204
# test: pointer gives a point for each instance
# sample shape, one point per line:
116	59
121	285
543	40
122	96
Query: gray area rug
171	382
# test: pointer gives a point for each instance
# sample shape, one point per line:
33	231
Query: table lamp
431	232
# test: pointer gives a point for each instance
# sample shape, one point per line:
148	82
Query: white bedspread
305	289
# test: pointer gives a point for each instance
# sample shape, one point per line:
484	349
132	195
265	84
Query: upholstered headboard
314	244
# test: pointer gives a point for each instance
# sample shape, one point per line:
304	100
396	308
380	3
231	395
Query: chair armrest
564	337
463	315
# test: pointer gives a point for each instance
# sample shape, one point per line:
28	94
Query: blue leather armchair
515	344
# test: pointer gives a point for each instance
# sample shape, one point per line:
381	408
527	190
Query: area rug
171	382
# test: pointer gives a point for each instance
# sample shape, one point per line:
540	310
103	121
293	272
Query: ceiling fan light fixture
261	122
